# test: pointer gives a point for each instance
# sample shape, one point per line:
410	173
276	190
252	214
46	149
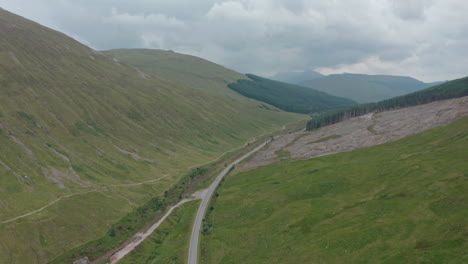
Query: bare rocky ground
360	132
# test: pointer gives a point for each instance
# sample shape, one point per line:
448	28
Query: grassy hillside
88	139
401	202
211	78
296	77
169	243
186	70
197	74
453	89
366	88
288	97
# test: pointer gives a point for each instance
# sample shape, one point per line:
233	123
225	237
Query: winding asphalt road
197	225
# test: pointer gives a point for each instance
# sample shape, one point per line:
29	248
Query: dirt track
360	132
141	236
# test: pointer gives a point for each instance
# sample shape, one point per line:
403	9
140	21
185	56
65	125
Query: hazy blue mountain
296	77
289	97
366	88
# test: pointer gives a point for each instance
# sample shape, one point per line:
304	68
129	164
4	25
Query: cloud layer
426	39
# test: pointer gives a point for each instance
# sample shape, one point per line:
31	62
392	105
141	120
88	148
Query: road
197	225
140	237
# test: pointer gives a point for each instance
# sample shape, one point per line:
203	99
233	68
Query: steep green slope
365	88
206	78
453	89
289	97
196	73
184	69
211	78
85	139
401	202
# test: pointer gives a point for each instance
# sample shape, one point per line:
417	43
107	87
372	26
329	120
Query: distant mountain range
447	90
296	77
289	97
362	88
365	88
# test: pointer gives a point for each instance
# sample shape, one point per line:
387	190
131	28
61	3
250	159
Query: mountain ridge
448	90
296	77
365	88
289	97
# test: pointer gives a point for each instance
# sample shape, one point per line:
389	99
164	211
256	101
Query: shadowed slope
289	97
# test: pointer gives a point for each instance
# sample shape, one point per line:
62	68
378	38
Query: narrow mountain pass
195	237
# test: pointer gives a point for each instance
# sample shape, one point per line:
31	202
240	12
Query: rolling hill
296	77
289	97
86	139
365	88
186	70
400	202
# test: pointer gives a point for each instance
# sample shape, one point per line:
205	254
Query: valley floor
369	130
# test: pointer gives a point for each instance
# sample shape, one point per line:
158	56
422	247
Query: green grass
27	117
169	243
66	112
117	234
134	221
183	69
401	202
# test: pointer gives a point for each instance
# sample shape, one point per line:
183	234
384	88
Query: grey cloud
422	38
410	9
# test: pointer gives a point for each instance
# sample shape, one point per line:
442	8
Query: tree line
453	89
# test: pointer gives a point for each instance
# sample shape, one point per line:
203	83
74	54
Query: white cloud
228	10
372	65
137	20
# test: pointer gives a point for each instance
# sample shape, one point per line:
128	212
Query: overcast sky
425	39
